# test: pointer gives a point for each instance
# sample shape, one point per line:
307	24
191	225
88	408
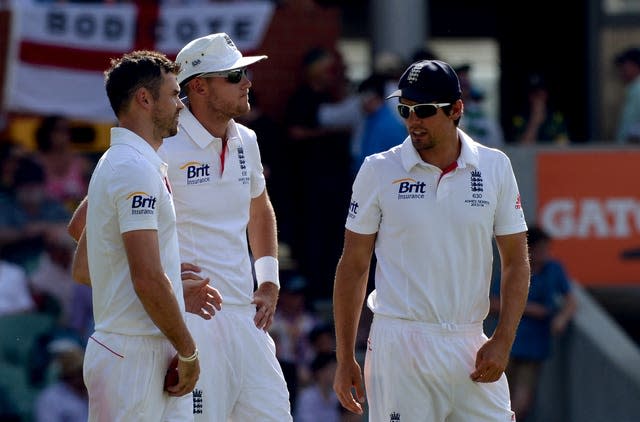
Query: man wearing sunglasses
221	202
430	208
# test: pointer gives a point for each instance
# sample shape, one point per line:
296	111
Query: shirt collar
468	153
201	136
123	136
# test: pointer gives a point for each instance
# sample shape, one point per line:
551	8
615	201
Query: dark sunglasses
232	76
421	110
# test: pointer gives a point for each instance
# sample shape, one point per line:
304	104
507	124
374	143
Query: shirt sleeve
364	212
253	161
136	191
509	218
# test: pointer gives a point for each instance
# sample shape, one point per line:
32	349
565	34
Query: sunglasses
232	76
421	110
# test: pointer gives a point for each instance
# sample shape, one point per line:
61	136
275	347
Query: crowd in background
310	159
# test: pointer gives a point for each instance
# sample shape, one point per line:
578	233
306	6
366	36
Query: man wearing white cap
430	208
220	196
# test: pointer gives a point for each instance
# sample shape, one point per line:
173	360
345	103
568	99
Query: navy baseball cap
429	81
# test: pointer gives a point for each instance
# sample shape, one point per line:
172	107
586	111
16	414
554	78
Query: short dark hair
28	171
629	55
138	69
536	235
322	360
44	131
375	83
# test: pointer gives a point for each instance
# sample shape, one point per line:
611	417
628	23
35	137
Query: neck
442	155
215	123
143	130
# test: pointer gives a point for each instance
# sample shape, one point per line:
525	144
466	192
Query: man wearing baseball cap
220	196
627	63
430	208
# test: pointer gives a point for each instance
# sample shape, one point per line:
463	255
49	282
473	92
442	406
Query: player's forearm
78	220
80	264
159	301
513	299
348	297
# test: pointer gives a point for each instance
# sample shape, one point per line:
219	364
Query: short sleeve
253	161
136	190
364	208
509	217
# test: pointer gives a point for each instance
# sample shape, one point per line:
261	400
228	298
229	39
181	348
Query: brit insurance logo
353	209
409	188
197	172
477	189
142	203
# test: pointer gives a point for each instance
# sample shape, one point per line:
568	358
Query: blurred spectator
52	278
10	154
275	158
381	129
550	306
67	172
8	410
81	315
391	66
628	65
318	401
476	122
28	215
15	296
540	121
423	53
322	339
65	400
319	171
292	324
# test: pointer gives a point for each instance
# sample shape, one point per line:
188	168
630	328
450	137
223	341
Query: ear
198	86
457	109
144	98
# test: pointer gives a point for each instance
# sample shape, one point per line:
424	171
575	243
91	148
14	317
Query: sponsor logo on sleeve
142	203
353	209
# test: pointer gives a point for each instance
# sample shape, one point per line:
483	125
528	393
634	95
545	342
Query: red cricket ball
171	377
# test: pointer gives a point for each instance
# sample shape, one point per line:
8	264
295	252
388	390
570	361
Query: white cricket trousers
240	378
419	372
124	376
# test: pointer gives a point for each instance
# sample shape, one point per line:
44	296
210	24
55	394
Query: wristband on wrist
266	269
191	358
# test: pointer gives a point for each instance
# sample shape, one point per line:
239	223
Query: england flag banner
59	52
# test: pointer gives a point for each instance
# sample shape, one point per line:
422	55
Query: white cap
211	53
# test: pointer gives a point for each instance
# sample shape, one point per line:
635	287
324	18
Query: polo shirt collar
201	136
468	153
123	136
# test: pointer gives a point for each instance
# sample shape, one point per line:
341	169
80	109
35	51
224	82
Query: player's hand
348	377
491	361
265	299
188	373
199	297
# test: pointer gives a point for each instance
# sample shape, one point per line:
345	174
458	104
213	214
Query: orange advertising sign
589	202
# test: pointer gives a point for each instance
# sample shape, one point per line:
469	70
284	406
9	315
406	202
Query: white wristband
267	270
191	358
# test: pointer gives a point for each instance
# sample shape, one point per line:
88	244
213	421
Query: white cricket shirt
434	231
127	192
212	206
